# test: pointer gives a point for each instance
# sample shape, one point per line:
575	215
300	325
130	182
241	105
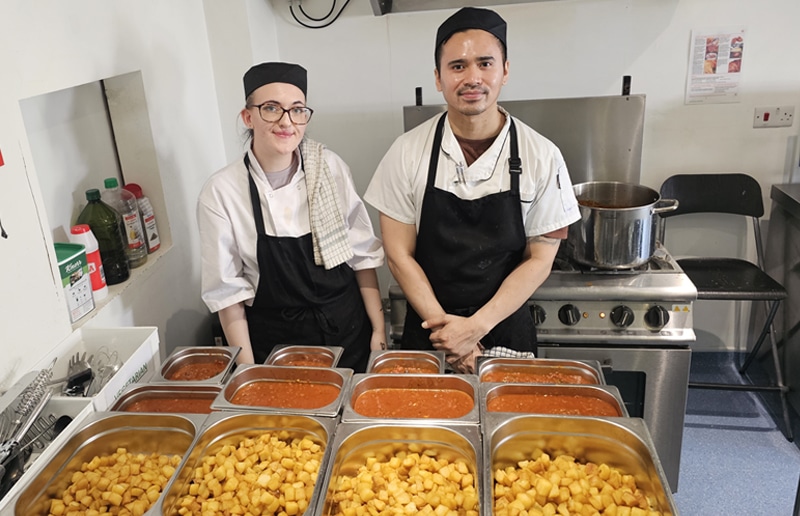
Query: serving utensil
27	408
106	366
80	374
13	467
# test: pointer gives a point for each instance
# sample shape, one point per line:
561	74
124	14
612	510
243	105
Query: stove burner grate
661	261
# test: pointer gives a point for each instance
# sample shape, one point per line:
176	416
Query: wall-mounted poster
715	66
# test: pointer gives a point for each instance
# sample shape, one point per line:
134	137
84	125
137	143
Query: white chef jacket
547	200
228	233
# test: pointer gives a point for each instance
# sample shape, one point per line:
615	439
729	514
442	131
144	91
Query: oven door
653	383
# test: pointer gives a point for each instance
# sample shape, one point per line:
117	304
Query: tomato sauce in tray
305	361
176	405
551	376
406	367
414	403
197	371
286	394
556	404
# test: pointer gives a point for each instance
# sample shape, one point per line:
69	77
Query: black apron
299	302
467	248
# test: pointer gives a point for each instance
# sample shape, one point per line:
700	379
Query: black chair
731	278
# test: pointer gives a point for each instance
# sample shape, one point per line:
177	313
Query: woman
288	250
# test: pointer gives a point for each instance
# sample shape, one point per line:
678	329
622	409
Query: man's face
471	71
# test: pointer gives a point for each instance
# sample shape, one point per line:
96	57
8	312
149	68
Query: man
473	204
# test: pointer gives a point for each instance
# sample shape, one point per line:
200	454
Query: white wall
48	45
364	68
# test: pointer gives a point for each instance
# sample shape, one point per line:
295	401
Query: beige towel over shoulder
328	232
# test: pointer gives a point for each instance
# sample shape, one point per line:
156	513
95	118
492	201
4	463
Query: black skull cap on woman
266	73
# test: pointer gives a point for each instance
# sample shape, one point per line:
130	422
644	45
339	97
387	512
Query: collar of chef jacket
483	168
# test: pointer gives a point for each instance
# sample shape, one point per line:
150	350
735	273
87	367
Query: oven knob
569	315
622	316
538	314
656	317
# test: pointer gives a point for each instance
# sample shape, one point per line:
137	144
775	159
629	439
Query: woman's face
279	138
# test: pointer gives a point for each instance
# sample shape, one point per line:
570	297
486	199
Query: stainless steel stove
649	305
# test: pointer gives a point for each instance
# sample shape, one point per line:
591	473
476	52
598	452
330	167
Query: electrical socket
773	117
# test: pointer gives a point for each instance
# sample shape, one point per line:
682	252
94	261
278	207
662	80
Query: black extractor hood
381	7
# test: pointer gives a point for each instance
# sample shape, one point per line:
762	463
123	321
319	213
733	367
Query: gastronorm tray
188	356
252	373
362	383
605	393
384	360
587	371
229	428
100	434
170	393
356	443
622	443
305	356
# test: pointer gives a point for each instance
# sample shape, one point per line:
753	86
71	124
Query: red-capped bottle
148	217
82	234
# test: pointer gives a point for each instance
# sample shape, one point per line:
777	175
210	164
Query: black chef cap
472	18
266	73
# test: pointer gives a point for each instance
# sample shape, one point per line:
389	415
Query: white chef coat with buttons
228	234
547	200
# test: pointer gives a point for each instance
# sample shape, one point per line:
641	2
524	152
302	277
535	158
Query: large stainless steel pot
617	227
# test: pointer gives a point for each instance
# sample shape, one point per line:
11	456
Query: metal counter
782	256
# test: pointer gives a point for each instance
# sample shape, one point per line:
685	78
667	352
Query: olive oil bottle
106	224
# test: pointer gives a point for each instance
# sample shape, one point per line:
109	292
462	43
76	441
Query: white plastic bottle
82	234
148	217
125	203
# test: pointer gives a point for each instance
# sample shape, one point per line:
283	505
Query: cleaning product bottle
82	234
125	203
148	217
106	224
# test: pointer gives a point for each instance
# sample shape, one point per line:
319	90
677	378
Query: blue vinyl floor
735	459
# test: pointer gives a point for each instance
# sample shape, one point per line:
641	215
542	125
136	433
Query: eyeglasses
271	112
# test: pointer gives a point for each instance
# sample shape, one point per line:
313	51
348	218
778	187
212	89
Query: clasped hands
459	337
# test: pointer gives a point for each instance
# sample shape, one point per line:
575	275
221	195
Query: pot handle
672	206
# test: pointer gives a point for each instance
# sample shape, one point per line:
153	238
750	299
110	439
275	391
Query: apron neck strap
433	163
254	198
514	162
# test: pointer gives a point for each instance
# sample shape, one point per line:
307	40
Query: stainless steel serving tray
623	443
362	383
380	361
607	393
228	428
100	434
289	355
185	355
247	374
354	443
588	370
179	390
